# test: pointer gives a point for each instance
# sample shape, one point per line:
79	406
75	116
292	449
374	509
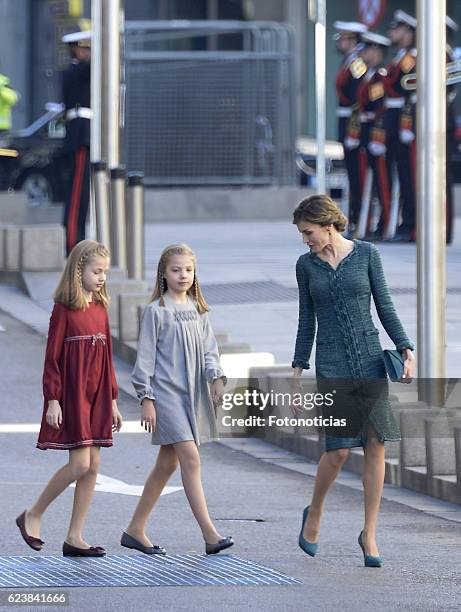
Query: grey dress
348	346
177	357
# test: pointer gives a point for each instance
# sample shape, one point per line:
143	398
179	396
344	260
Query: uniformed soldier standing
372	135
76	98
352	69
399	121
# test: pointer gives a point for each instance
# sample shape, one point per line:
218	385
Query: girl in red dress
80	390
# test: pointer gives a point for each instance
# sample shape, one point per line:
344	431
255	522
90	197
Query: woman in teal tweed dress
336	280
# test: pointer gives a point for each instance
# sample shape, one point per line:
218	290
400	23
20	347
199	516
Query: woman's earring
161	286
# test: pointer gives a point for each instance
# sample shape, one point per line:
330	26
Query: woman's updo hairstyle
320	209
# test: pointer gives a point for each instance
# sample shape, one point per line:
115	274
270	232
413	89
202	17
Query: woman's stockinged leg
189	460
373	480
79	462
167	461
328	468
82	499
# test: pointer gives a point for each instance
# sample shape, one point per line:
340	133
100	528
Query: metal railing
210	102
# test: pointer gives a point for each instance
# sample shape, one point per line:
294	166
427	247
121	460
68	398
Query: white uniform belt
394	102
343	111
79	112
368	116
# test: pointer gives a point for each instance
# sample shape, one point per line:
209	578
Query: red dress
79	373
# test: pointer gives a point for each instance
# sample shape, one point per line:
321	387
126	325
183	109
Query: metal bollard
100	181
135	225
118	221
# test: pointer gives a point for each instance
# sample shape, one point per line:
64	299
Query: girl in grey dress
336	281
177	359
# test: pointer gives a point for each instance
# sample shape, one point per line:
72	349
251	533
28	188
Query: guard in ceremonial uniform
372	135
352	69
76	98
399	121
452	27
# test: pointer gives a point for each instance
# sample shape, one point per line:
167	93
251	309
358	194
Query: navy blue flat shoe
129	542
213	549
369	560
310	548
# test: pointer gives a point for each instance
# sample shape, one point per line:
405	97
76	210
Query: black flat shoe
212	549
129	542
72	551
35	543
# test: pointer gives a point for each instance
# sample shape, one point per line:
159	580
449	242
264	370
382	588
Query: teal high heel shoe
369	560
309	548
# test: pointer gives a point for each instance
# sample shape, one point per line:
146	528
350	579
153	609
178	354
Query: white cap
376	39
451	23
402	17
77	37
349	27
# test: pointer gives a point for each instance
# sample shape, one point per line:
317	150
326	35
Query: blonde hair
161	283
320	209
70	288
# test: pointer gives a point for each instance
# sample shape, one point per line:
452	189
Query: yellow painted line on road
128	427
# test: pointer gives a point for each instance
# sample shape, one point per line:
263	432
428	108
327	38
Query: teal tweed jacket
336	305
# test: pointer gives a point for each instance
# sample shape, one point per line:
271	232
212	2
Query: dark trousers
355	163
404	157
77	181
377	164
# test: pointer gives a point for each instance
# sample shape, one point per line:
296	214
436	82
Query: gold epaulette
358	68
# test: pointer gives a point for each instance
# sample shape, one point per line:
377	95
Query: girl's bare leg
82	499
78	465
189	460
167	461
373	480
328	468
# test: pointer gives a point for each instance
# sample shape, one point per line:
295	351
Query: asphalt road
422	552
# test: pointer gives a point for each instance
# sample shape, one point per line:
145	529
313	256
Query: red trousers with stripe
77	197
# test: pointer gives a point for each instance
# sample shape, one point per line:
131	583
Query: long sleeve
8	95
213	368
52	375
142	376
306	320
111	361
383	301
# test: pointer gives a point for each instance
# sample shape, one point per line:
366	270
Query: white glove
351	143
406	136
377	148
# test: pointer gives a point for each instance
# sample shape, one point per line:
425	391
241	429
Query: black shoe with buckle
72	551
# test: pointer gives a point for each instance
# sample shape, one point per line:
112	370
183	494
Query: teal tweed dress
349	356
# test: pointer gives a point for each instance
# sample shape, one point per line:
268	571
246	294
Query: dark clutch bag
393	360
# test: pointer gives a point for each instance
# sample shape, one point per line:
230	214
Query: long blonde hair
161	284
70	288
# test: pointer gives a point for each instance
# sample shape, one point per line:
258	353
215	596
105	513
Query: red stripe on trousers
75	199
385	196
